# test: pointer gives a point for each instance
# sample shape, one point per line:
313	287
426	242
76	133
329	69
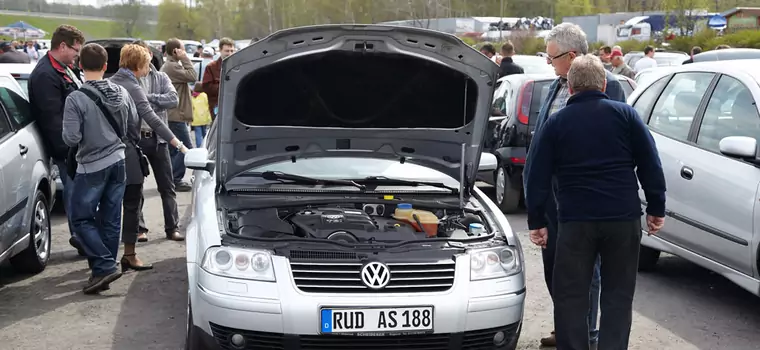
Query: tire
35	257
192	338
507	196
648	258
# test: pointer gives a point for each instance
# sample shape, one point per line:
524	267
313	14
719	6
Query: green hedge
707	39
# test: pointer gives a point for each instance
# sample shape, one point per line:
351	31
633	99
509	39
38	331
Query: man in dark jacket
565	42
508	66
212	76
595	151
10	55
51	81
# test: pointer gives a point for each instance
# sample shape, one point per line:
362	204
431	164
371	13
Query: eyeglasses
549	59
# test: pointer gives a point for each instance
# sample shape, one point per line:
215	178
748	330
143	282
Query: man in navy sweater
594	148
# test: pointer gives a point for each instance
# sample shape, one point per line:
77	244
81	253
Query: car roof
539	77
17	68
727	54
748	66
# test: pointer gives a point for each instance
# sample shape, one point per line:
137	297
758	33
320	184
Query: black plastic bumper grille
472	340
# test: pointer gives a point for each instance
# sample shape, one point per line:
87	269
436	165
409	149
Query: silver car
26	186
334	205
705	120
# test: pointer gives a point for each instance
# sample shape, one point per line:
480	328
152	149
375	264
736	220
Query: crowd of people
18	52
106	135
588	225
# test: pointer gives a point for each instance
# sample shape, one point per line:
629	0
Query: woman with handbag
134	62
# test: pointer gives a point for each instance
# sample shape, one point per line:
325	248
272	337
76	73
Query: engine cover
350	225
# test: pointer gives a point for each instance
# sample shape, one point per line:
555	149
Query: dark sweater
594	148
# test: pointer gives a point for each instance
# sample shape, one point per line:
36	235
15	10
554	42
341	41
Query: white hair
569	37
586	74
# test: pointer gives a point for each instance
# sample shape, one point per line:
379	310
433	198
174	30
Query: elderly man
592	151
565	42
619	66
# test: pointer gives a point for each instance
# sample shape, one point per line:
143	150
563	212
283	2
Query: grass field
91	29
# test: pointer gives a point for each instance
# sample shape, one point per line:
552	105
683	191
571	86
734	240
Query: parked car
663	58
317	217
113	48
705	120
20	72
533	64
515	107
28	188
727	55
648	75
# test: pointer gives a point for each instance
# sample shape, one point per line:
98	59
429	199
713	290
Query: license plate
377	320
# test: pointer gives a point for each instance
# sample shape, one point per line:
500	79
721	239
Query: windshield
357	168
24	84
624	31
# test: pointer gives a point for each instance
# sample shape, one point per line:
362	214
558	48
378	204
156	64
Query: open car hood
402	93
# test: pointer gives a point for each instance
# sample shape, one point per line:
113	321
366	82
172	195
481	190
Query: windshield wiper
278	175
382	180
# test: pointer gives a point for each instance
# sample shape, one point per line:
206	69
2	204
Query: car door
669	106
722	190
9	209
20	153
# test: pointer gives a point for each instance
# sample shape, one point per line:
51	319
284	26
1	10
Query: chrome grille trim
344	277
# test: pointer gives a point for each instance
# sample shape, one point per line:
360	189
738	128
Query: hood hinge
462	177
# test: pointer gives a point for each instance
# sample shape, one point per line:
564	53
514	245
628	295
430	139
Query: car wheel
507	196
648	258
192	338
35	257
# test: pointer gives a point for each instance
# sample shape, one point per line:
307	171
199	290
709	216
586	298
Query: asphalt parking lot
678	307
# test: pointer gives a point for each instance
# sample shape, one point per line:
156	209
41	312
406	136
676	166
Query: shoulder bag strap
99	102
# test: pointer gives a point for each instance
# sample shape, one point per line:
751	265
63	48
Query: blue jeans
178	159
593	311
200	133
96	215
67	190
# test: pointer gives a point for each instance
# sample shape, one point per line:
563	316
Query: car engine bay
356	223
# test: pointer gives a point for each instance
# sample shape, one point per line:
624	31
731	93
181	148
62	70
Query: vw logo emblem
376	275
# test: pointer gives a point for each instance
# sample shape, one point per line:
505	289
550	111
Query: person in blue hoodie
591	155
564	43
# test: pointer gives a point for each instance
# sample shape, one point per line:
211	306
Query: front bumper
279	316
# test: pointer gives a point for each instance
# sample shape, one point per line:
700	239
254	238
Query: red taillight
516	160
523	101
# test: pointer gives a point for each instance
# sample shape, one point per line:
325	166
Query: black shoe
182	186
126	265
78	246
98	284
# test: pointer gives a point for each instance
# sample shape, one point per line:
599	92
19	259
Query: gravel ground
678	307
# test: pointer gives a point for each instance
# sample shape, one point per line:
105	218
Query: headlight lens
239	263
494	263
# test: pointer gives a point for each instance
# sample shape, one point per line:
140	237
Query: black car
514	111
113	48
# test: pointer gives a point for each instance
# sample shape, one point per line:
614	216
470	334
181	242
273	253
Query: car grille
345	277
472	340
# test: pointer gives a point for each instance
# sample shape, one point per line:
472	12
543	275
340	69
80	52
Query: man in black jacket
51	81
508	66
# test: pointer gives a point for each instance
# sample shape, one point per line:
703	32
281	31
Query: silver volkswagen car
334	204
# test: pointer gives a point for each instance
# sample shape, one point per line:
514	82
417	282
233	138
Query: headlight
239	263
494	263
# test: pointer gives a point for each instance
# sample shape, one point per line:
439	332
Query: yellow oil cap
388	197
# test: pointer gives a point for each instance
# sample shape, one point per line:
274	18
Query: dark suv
516	103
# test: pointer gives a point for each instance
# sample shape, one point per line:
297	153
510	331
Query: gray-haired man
565	42
595	152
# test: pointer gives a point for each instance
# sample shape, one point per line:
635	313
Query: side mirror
197	159
488	162
739	147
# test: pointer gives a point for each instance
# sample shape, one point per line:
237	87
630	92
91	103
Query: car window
627	88
540	91
5	129
500	98
731	111
16	106
649	97
674	111
24	84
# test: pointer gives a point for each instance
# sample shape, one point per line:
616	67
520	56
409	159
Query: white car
334	205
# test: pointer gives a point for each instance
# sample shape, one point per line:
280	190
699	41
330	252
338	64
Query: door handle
687	173
23	150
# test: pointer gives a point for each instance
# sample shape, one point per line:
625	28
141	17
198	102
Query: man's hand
180	53
654	224
539	237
